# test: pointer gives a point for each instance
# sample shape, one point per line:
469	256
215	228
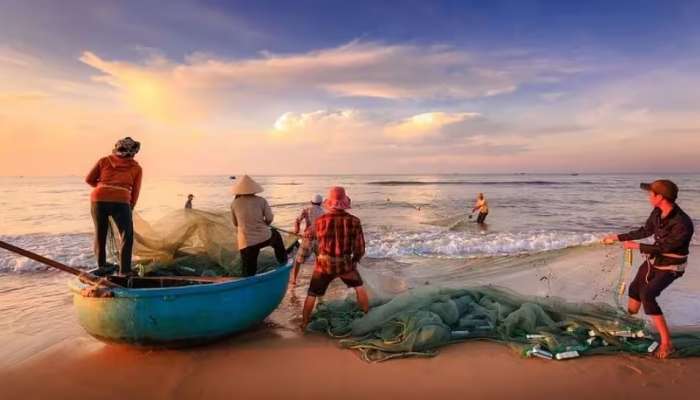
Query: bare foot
664	351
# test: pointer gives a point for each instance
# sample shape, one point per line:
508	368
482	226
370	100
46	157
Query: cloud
12	57
426	124
13	98
323	119
356	69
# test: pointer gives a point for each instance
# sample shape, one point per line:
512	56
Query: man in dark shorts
665	259
341	245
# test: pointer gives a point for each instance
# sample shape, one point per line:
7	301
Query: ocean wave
74	250
466	245
510	183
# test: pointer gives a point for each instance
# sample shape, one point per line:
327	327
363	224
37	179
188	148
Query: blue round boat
181	315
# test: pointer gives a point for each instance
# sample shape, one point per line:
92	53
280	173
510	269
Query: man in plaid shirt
341	245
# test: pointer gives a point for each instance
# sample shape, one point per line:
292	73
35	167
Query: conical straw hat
246	185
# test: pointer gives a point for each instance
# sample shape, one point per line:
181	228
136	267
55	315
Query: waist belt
680	267
675	268
331	259
105	185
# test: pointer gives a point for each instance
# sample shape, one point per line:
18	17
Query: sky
360	87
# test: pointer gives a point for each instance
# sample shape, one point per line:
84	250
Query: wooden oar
82	275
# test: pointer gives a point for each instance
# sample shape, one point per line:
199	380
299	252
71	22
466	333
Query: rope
619	288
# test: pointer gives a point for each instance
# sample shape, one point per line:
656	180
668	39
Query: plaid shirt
341	243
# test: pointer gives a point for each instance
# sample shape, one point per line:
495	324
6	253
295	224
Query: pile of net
191	243
417	322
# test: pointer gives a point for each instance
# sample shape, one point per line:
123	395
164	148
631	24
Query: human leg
309	304
317	287
635	288
302	255
101	220
362	298
657	281
278	245
354	280
249	260
121	213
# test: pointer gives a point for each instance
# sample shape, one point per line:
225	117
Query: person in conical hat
116	180
245	186
309	244
341	245
252	217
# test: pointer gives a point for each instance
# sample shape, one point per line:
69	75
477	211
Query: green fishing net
191	243
419	321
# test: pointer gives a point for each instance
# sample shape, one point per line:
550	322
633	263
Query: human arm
267	213
358	246
233	214
297	222
641	233
93	177
136	188
678	238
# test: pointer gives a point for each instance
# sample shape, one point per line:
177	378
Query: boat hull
180	316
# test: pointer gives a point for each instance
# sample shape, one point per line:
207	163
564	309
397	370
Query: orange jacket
115	179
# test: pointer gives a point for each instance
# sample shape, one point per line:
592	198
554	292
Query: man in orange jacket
117	181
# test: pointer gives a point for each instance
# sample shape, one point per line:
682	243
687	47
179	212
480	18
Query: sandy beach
263	365
275	360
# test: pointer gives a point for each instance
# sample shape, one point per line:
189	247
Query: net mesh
552	323
419	321
193	243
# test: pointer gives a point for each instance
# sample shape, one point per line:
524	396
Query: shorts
308	246
648	284
320	281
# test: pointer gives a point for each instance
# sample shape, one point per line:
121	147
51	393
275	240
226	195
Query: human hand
610	239
631	245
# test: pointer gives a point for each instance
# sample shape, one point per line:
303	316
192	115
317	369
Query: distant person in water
483	207
341	245
188	204
252	217
117	182
666	258
309	244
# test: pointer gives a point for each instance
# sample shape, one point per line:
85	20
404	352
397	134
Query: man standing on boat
252	217
341	245
309	244
117	182
483	206
666	258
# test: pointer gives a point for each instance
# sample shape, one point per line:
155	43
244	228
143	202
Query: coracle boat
169	312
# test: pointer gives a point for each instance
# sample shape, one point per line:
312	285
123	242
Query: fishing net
568	313
191	243
417	322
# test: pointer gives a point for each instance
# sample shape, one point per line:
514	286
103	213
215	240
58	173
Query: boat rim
76	286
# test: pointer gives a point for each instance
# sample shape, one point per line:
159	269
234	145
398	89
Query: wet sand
262	365
46	354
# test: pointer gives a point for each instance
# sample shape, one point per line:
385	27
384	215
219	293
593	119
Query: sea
417	228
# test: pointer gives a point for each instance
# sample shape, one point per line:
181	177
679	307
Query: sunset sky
324	87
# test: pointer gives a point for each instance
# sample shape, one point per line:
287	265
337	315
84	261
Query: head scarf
126	148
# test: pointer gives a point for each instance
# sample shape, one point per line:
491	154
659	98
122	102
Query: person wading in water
483	206
666	258
117	182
